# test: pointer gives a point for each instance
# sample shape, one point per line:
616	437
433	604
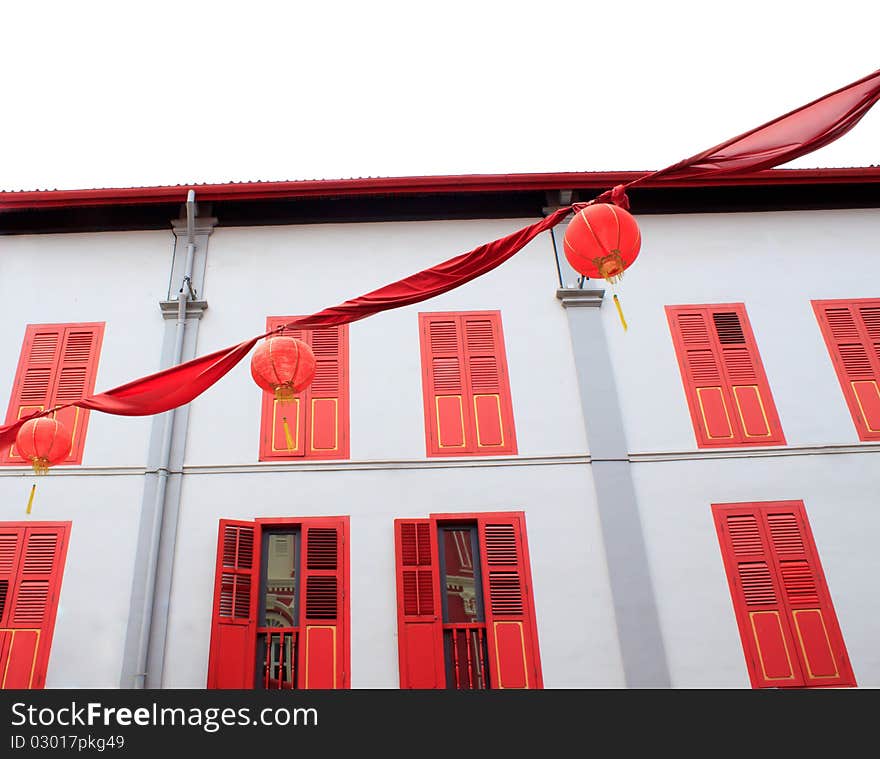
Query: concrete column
638	624
157	605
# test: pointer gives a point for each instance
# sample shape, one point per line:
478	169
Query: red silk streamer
801	131
434	281
180	384
787	137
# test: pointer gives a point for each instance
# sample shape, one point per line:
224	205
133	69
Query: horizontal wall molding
73	471
755	453
336	466
450	463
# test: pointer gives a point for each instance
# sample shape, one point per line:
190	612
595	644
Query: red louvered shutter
419	623
509	605
323	629
488	385
58	365
314	425
852	333
468	409
726	388
447	417
232	658
328	394
787	623
31	567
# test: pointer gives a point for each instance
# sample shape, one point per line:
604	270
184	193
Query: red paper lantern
601	241
44	442
283	365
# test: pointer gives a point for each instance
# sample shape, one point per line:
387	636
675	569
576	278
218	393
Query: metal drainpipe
165	453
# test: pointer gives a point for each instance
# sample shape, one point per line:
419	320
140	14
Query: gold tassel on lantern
31	499
287	435
620	312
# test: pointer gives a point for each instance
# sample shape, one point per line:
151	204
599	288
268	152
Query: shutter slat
321	598
745	536
71	384
30	603
78	347
447	375
443	336
484	374
692	328
35	387
729	328
9	543
326	380
479	336
738	365
842	324
799	583
39	555
871	319
322	548
704	367
44	347
757	584
325	342
785	534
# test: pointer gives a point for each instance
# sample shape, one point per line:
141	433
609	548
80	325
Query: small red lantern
283	365
601	241
44	442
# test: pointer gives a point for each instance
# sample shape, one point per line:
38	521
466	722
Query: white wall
775	263
256	272
96	585
117	278
576	632
112	277
697	617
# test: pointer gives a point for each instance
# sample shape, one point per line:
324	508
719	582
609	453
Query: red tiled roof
599	180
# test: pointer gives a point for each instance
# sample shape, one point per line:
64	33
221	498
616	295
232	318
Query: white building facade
607	529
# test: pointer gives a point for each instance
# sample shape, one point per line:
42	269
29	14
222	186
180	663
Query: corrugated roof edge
599	180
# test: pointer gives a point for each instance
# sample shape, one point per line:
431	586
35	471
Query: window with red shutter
280	615
468	408
787	623
58	364
314	425
466	616
724	381
32	558
851	329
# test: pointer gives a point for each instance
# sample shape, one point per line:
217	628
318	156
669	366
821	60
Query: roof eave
34	199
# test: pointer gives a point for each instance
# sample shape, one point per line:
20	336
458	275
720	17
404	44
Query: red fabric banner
178	385
785	138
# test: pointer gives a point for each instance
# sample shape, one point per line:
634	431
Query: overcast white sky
116	94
